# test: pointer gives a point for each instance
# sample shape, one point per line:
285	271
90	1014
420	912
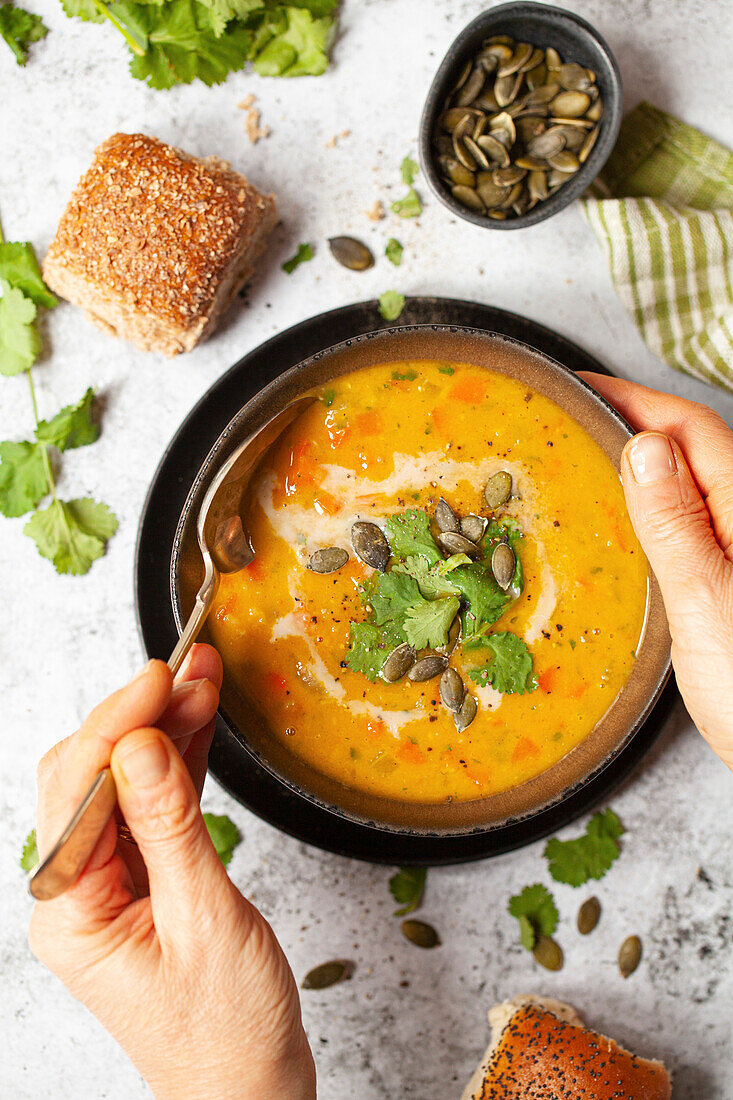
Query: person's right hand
177	965
678	481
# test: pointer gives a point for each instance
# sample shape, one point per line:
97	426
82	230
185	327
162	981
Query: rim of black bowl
504	19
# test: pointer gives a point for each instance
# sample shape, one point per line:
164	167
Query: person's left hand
156	940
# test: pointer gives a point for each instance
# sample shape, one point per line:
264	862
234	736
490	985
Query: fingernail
186	662
146	765
142	671
651	458
185	691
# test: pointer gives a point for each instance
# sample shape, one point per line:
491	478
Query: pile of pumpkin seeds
516	127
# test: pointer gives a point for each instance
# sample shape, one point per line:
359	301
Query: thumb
162	811
668	513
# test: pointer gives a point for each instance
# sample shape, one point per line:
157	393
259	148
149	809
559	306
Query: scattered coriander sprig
391	304
394	251
225	835
588	856
409	206
29	855
511	670
407	888
20	28
304	253
72	534
536	912
408	170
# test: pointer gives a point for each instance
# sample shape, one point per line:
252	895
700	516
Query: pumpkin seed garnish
427	668
548	953
452	689
351	253
514	111
327	974
629	956
328	560
473	527
399	662
454	635
445	517
498	489
503	564
370	545
588	915
466	714
458	544
420	933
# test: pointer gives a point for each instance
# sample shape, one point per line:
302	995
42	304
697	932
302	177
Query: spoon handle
201	608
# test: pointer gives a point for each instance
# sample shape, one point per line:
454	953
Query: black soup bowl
541	25
248	721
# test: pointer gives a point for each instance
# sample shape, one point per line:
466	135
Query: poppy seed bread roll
541	1050
154	244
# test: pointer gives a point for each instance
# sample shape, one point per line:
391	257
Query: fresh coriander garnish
394	251
304	253
29	855
511	670
445	369
427	623
589	856
225	835
20	28
409	206
72	534
409	533
391	304
328	397
536	912
408	170
407	376
407	888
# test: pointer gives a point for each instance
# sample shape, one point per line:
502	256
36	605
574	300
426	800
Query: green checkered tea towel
663	211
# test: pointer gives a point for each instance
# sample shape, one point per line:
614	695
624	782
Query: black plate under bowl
237	772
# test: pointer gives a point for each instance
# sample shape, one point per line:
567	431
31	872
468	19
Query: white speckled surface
410	1023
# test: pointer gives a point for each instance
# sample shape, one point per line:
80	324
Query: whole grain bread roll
154	244
541	1050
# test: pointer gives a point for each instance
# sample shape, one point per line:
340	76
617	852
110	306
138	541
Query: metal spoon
225	548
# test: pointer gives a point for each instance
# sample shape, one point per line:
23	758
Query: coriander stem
43	446
131	42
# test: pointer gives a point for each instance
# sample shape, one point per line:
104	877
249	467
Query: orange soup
491	540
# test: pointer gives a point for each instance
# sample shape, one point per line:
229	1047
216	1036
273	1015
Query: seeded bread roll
154	244
541	1050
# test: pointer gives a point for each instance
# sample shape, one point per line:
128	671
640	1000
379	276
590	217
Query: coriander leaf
20	28
506	527
445	369
370	646
19	267
19	341
72	534
409	206
391	304
410	534
452	563
586	857
428	622
406	376
225	835
394	251
511	671
407	887
83	9
534	907
409	169
300	50
486	600
221	11
71	427
29	856
23	481
431	581
304	253
391	596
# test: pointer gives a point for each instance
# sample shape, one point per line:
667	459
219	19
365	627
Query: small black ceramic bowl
542	25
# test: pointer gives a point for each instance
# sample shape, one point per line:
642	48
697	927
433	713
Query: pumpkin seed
532	164
503	564
327	974
467	197
571	104
466	714
574	78
490	194
499	215
501	49
537	185
595	111
494	148
452	689
587	146
552	59
506	88
503	129
536	58
476	152
454	635
503	39
486	101
420	933
472	87
455	543
328	560
351	253
537	76
462	153
457	172
445	517
517	59
498	489
465	72
427	668
473	527
399	662
370	545
541	96
588	915
528	127
546	145
548	953
564	162
629	956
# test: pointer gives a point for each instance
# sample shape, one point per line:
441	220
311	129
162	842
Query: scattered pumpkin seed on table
351	253
588	915
517	125
420	933
629	956
327	974
548	953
